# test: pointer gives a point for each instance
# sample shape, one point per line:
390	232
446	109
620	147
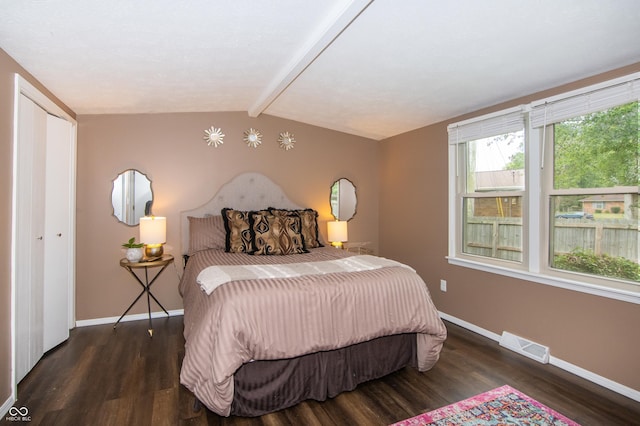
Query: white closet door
30	236
57	227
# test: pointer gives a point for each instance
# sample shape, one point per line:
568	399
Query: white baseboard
133	317
595	378
469	326
7	405
571	368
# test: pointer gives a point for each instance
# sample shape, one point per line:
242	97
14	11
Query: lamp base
153	250
337	244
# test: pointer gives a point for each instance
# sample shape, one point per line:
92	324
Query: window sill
583	287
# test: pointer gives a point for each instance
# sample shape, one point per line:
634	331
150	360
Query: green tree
599	150
516	162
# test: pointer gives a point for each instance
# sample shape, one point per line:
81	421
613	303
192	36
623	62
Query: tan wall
185	173
8	68
595	333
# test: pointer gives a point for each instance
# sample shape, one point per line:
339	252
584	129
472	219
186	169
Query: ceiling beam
316	44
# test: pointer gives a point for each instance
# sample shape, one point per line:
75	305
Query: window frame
499	122
464	195
536	213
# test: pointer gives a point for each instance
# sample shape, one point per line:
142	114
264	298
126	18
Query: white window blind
587	101
507	121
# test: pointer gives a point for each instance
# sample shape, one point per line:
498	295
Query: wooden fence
501	238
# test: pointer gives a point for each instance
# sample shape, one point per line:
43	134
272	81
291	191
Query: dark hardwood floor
123	377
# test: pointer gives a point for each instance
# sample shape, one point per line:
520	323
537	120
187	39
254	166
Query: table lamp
153	234
338	233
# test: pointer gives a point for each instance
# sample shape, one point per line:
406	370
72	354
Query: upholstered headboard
248	191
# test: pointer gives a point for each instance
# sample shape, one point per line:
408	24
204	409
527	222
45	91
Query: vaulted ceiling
370	68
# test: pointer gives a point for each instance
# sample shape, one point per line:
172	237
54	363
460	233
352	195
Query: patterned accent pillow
206	233
236	225
275	235
309	224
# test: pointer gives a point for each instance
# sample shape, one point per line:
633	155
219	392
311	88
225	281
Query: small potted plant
134	253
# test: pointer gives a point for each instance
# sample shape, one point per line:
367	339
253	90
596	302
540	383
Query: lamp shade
153	230
337	231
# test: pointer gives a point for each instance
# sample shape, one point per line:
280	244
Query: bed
304	321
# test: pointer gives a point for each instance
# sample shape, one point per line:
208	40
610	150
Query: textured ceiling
370	68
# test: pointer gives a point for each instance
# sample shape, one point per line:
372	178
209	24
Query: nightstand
360	248
161	263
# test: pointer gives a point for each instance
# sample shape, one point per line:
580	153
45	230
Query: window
489	157
492	198
595	157
549	191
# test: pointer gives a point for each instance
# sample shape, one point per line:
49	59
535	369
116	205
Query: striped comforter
276	318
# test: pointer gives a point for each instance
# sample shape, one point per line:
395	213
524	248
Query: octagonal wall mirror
131	196
343	199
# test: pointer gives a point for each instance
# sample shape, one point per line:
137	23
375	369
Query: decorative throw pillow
206	233
309	225
275	235
236	225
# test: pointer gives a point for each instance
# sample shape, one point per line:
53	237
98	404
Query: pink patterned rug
500	406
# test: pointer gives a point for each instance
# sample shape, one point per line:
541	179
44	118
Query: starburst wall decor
214	136
286	141
253	138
